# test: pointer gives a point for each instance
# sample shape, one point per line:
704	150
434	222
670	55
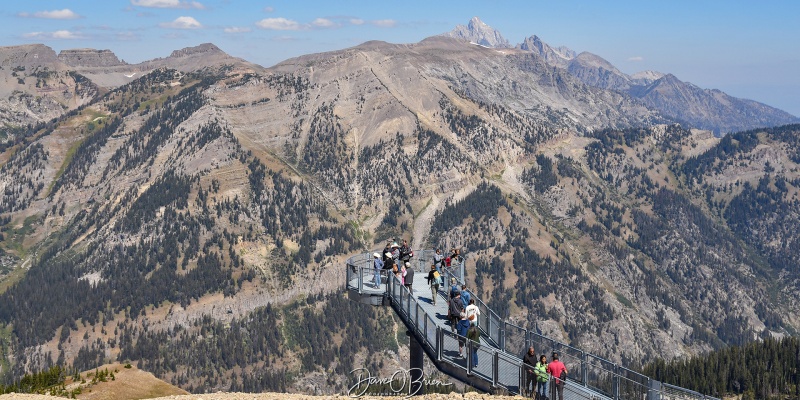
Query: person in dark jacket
529	361
409	279
454	311
433	282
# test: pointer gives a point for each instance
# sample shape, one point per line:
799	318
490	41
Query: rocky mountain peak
477	31
89	58
199	49
646	77
29	55
552	55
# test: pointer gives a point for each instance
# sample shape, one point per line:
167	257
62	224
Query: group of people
539	372
397	259
463	314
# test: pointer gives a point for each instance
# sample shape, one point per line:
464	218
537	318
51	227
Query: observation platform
499	368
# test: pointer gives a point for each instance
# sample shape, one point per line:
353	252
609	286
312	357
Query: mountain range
191	214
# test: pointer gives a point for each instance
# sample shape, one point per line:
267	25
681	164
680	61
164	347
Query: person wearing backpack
434	280
454	310
454	289
558	372
541	376
472	312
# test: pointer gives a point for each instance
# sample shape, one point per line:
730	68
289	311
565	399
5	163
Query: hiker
438	258
406	253
454	288
377	266
474	335
541	376
558	371
408	280
462	328
529	362
465	297
454	311
388	264
472	312
396	253
434	280
387	252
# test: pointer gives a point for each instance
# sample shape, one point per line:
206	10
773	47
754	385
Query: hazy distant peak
646	77
593	60
199	49
478	32
89	58
551	54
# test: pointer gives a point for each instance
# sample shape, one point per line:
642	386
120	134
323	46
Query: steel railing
500	364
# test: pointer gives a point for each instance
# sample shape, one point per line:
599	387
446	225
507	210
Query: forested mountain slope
212	209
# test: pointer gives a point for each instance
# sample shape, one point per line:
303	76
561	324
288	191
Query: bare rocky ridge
89	58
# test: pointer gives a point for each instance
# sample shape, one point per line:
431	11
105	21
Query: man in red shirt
558	371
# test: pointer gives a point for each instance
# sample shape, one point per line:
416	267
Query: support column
415	364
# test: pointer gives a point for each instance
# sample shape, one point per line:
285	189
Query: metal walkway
499	367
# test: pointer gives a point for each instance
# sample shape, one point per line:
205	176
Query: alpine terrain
191	214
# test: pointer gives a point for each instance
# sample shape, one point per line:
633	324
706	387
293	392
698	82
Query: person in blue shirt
465	295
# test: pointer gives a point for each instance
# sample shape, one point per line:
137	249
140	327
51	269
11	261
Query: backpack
437	278
563	376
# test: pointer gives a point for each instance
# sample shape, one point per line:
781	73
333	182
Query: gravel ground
277	396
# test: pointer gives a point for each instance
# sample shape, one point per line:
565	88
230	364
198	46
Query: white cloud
269	9
182	23
55	14
323	23
57	35
236	29
636	58
356	21
384	23
279	24
168	4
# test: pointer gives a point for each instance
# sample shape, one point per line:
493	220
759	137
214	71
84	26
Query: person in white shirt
472	312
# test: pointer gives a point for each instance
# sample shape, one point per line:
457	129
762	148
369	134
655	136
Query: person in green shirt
540	369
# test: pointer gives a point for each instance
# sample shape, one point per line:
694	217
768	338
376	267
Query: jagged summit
478	32
559	56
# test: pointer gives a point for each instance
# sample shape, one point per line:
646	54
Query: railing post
360	281
584	369
469	357
495	368
502	333
615	382
439	343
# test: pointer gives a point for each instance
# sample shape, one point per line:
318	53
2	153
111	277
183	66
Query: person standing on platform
541	376
377	265
465	297
529	362
472	312
558	372
474	334
454	311
434	279
409	279
438	258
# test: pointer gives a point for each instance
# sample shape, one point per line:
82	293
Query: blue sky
748	49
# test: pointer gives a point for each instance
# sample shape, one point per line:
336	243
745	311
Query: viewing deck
499	368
